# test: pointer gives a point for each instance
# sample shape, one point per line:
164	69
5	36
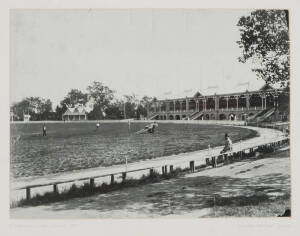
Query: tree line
264	40
99	100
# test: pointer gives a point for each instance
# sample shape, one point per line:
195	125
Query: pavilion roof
75	111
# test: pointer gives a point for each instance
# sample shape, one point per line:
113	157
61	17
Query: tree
114	111
38	108
45	109
102	97
131	105
73	98
143	106
264	39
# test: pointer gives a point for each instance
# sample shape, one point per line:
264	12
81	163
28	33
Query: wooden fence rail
213	160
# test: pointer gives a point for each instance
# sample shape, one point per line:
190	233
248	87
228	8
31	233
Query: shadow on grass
159	195
184	195
88	190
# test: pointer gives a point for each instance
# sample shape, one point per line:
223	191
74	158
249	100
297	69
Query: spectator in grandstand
228	144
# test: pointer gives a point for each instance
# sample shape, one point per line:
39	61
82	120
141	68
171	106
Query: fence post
27	193
151	172
112	179
92	183
55	189
207	161
123	176
192	166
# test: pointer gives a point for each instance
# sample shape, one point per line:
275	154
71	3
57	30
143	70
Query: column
180	106
197	105
187	105
174	102
204	104
159	104
247	102
216	103
263	97
237	102
276	101
227	99
167	106
265	101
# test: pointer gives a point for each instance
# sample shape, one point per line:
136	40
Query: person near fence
228	144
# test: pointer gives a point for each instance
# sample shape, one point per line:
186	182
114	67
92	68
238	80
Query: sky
165	53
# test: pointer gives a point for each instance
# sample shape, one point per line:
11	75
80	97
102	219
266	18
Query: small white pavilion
74	113
26	117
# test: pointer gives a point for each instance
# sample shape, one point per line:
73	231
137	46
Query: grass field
73	146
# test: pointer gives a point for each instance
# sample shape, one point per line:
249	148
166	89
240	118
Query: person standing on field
44	130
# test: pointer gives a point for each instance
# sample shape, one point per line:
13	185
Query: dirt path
246	188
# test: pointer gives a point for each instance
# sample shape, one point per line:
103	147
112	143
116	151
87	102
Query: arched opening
212	117
171	117
207	117
232	116
183	117
177	117
222	117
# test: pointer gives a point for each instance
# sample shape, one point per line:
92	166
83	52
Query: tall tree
131	105
38	108
102	96
264	39
73	98
144	104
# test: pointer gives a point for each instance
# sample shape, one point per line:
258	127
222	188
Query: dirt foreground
259	187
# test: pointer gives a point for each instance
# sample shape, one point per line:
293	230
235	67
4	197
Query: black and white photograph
141	113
